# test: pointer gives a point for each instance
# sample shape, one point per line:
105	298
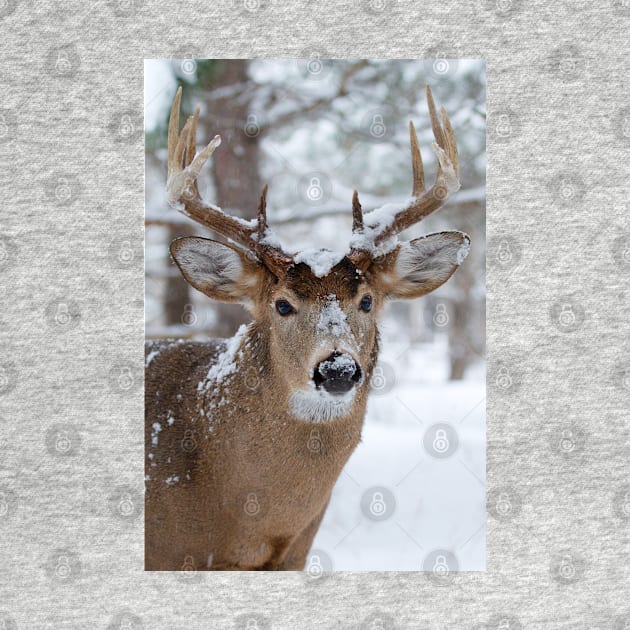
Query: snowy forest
314	130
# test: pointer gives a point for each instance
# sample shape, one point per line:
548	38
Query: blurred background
315	129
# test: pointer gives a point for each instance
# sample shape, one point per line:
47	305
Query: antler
381	224
184	167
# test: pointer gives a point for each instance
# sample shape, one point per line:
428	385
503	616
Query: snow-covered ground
412	494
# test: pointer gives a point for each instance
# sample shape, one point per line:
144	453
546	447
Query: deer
246	437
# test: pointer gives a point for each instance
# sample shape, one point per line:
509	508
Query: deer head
317	311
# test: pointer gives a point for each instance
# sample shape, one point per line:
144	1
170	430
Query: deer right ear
220	271
420	266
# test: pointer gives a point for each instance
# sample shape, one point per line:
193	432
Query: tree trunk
176	294
463	332
459	330
234	167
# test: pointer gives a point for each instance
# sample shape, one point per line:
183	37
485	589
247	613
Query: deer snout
337	374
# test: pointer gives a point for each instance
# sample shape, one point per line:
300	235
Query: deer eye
366	303
284	308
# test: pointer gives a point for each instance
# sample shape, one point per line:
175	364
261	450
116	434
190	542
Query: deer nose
337	374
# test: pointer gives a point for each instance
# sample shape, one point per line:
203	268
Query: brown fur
234	480
255	447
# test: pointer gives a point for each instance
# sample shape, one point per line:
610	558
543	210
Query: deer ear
220	271
422	265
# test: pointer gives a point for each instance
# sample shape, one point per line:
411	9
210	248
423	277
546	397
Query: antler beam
184	167
369	232
376	228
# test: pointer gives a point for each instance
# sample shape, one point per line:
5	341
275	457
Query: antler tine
424	202
438	132
416	162
189	152
173	132
183	169
182	144
262	213
452	142
359	257
357	213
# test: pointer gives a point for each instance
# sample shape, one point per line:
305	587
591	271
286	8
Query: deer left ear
219	270
420	266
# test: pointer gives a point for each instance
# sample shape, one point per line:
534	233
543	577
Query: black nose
337	374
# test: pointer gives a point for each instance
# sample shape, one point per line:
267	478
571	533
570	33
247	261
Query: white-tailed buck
246	437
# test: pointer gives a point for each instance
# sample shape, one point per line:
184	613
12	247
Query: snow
225	364
150	357
320	261
462	252
269	239
383	217
157	345
374	223
157	427
332	319
440	503
340	363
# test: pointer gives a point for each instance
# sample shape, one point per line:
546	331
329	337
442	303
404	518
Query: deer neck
243	387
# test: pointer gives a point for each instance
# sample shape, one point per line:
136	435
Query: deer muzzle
337	374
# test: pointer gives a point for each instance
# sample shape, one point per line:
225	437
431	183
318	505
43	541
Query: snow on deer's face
323	337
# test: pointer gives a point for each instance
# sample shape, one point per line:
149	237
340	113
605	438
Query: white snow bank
440	503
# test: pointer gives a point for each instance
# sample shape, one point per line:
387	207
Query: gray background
72	319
